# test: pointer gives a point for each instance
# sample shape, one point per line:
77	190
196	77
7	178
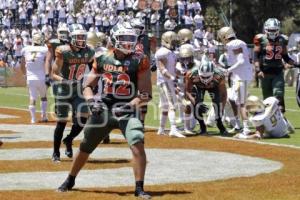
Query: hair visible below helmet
169	40
123	37
272	28
37	38
185	35
102	42
63	33
92	39
254	105
78	35
206	71
226	33
138	25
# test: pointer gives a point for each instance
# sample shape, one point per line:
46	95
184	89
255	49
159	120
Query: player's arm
240	59
287	59
257	52
22	65
223	93
144	84
91	82
259	131
188	85
162	62
48	62
57	65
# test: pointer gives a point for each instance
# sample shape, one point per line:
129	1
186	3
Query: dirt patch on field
7	132
283	184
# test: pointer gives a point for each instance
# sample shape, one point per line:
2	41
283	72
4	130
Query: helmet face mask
124	38
226	33
272	28
186	56
169	40
206	71
78	36
185	35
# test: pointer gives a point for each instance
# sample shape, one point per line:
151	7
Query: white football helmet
206	71
185	35
186	55
38	38
169	40
138	25
272	28
226	33
124	37
254	105
78	35
63	33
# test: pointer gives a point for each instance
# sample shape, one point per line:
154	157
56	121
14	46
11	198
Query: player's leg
163	107
133	132
199	95
32	88
96	129
266	86
242	96
79	107
233	96
44	102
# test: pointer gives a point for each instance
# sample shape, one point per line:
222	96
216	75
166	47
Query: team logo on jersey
86	55
126	63
79	55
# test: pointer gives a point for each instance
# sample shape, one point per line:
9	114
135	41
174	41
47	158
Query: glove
96	107
153	66
203	109
123	110
48	80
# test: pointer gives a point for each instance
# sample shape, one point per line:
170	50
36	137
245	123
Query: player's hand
48	80
261	74
96	107
123	110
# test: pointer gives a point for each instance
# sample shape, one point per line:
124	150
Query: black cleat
66	186
56	157
142	195
69	150
224	133
106	140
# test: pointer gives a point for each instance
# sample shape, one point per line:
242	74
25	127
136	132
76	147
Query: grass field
18	98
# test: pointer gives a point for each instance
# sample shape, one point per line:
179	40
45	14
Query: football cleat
56	157
66	186
69	150
235	130
176	133
142	195
161	132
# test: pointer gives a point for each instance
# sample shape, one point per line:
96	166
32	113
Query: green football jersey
74	63
52	45
271	52
119	77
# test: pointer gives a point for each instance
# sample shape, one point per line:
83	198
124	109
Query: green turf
18	98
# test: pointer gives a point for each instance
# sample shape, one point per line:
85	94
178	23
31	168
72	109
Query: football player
127	85
241	75
269	50
206	77
33	65
166	79
266	117
68	70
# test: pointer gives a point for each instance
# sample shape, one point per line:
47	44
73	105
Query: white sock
172	117
163	121
237	123
32	111
44	105
187	122
245	124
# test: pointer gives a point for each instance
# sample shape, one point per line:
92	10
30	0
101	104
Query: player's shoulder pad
218	74
60	50
161	53
283	38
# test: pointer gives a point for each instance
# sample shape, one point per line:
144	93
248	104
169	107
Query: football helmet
271	28
78	35
123	37
63	33
138	25
185	35
254	105
225	33
206	71
169	40
38	38
186	55
92	40
102	39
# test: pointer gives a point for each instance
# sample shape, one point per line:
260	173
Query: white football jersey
35	61
272	119
244	70
170	56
